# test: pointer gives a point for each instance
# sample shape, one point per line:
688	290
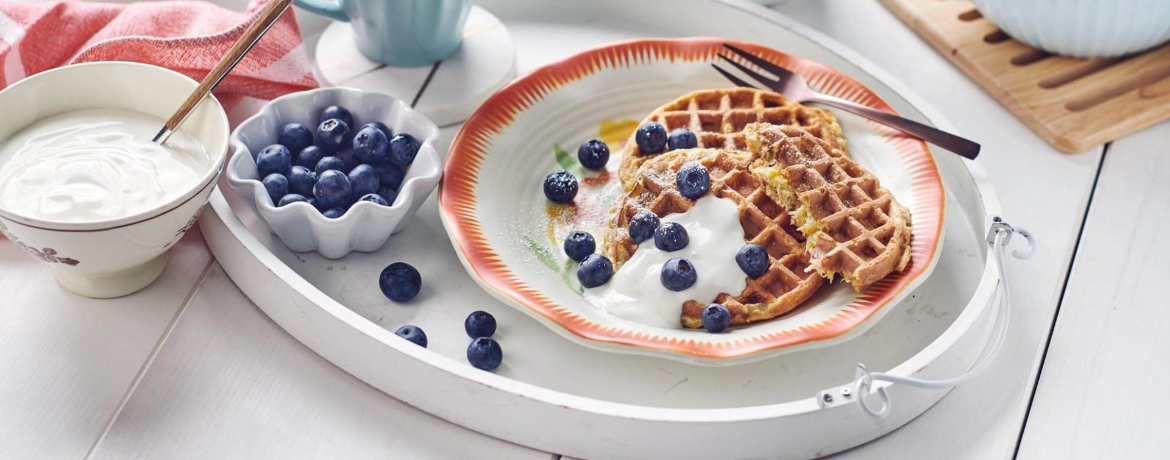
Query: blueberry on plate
370	145
276	185
480	324
333	213
295	136
301	180
693	180
594	271
348	159
400	282
681	138
390	174
380	127
309	156
678	274
413	334
579	245
485	353
332	135
332	189
374	198
403	149
716	318
388	194
651	138
752	259
338	112
643	225
273	159
328	163
593	154
560	186
363	180
292	198
671	236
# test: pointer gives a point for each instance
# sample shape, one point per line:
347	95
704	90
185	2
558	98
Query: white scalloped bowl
366	226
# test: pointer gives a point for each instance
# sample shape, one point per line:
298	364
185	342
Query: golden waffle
718	116
786	284
853	226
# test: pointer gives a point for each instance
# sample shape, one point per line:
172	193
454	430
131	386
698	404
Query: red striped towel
186	36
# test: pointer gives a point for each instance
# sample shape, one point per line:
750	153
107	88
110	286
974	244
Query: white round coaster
459	84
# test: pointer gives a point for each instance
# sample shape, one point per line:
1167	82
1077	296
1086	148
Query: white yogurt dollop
96	164
636	292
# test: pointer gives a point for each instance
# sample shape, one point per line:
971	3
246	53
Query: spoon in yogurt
235	54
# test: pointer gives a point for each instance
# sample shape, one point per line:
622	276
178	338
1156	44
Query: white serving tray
558	396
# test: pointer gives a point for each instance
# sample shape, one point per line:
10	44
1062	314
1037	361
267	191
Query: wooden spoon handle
240	48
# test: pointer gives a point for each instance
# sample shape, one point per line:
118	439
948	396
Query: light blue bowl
1083	28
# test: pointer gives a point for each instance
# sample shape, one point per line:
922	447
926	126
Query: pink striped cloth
186	36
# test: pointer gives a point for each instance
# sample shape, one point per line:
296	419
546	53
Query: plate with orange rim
508	235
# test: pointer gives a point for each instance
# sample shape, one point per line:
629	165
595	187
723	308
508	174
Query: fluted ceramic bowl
1084	28
366	226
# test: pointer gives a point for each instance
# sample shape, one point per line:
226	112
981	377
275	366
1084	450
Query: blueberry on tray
413	334
480	324
400	281
485	353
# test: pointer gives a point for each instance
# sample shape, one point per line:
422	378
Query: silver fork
795	88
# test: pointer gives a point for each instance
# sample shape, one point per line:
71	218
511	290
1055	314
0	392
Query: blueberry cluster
652	138
336	165
484	352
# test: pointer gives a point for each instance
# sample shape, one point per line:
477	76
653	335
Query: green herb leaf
568	162
542	254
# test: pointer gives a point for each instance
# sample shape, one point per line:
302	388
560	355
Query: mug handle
333	9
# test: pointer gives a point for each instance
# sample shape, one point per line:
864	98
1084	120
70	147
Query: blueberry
671	236
480	324
400	282
301	180
328	163
594	271
363	180
403	149
388	194
485	353
390	174
651	138
752	259
273	159
370	145
380	127
333	213
413	334
315	203
560	186
693	180
332	189
682	138
643	225
678	274
338	112
716	318
276	185
295	136
374	198
348	159
291	198
309	156
579	245
593	154
332	135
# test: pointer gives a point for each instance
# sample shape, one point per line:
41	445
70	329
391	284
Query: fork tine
759	61
734	79
767	82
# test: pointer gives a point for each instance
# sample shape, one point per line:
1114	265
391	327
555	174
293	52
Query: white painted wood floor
189	368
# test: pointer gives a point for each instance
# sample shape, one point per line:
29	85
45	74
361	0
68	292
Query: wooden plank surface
1040	188
1101	393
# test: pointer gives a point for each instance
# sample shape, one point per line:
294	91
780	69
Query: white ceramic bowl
115	257
1084	28
366	226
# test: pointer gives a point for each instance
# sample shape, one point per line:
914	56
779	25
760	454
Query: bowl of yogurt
83	188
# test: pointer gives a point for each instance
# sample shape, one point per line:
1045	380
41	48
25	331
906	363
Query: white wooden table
189	368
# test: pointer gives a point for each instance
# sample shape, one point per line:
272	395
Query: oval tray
555	395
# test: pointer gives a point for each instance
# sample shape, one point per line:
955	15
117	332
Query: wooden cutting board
1073	103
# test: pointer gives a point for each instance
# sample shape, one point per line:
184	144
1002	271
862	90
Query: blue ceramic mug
400	33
